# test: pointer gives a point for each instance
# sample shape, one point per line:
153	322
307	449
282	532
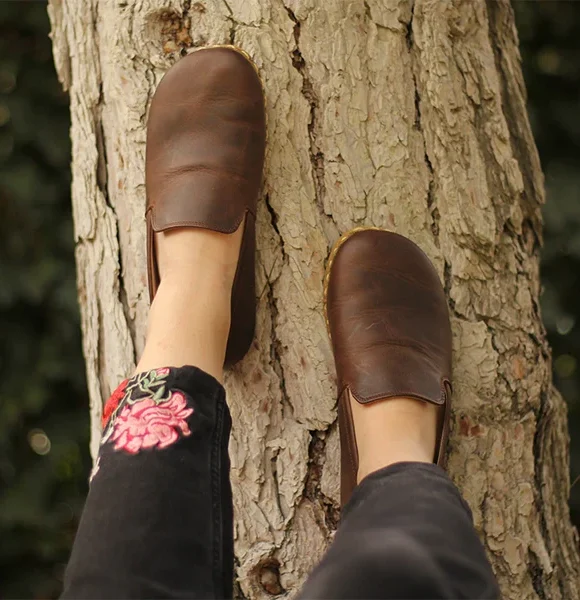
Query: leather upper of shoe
390	331
388	319
205	145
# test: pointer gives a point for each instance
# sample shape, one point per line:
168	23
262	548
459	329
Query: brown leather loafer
206	139
388	321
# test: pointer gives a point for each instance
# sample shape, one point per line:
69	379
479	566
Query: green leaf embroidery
159	395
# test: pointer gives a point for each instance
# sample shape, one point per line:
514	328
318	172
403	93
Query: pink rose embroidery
146	424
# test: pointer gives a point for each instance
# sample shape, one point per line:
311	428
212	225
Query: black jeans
158	518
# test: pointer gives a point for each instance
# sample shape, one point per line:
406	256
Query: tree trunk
407	116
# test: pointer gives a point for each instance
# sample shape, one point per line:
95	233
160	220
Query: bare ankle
190	316
393	430
189	323
192	253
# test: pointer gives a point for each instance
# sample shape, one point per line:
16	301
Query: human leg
158	517
405	532
157	521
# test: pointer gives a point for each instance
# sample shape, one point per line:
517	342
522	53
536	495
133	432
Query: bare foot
393	430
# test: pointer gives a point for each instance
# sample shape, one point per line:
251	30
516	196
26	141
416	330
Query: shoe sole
341	240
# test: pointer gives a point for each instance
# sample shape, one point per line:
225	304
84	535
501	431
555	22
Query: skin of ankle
190	316
193	252
393	430
188	325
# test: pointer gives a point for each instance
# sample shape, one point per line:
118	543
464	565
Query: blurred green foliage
44	457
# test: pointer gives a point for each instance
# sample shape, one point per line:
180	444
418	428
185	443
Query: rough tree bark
399	114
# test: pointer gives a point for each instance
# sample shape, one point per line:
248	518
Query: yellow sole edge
235	49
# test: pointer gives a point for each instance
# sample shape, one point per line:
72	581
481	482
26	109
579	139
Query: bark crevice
431	196
317	158
102	180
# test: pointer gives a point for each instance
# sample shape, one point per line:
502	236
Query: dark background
44	428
